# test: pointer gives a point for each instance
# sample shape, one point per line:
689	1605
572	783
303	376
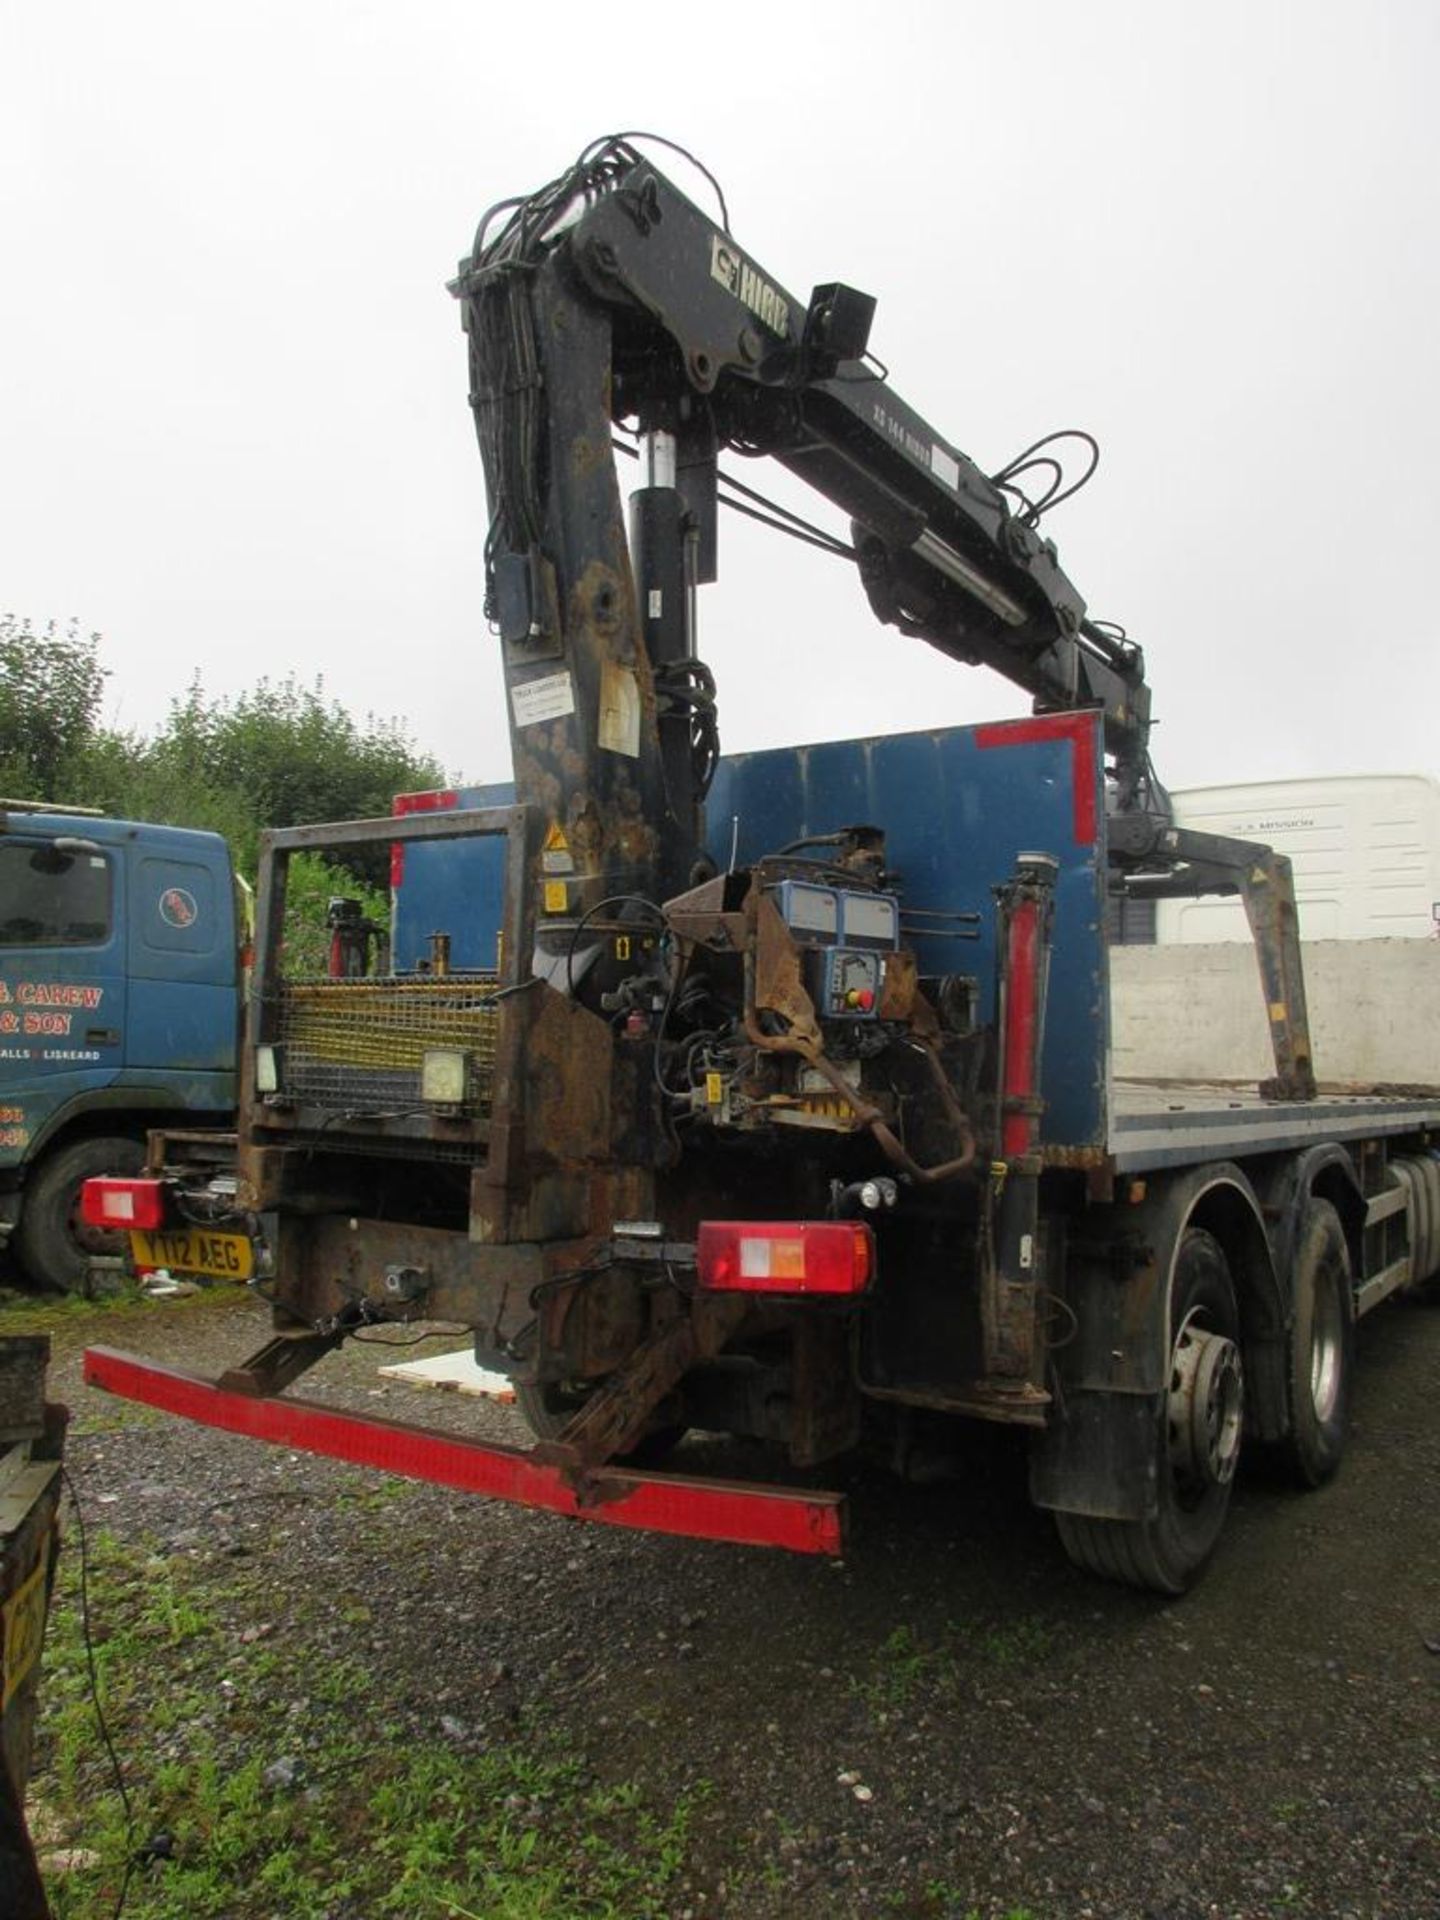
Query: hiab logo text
737	276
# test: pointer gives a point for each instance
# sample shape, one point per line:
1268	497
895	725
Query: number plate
218	1256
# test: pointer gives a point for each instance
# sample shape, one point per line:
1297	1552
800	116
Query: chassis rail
802	1521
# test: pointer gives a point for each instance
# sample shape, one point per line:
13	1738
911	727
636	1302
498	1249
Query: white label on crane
548	698
946	465
619	730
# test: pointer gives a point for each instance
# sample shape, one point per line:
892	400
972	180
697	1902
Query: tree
50	689
312	884
122	775
277	755
291	754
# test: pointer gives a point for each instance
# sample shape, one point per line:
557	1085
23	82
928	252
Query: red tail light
120	1204
785	1256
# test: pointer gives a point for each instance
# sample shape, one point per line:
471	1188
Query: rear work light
121	1204
832	1257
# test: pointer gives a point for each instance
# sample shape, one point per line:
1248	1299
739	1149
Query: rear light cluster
117	1205
785	1256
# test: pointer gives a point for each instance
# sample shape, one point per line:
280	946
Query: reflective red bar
802	1522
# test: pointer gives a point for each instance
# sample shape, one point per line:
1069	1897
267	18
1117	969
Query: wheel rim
1206	1407
1327	1337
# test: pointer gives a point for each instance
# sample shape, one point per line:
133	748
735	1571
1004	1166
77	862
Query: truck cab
118	1011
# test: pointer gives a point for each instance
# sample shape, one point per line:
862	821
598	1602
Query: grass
366	1498
941	1901
71	1316
907	1669
375	1820
1013	1645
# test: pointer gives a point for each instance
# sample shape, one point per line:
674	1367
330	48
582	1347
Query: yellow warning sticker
23	1619
714	1089
555	854
557	896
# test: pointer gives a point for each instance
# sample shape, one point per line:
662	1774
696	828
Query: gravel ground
954	1721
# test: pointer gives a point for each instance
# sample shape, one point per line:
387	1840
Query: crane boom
607	300
610	298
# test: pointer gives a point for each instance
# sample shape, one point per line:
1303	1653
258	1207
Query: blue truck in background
119	961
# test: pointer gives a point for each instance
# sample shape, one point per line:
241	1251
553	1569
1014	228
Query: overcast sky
233	429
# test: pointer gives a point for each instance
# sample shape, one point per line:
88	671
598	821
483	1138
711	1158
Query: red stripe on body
434	800
1076	728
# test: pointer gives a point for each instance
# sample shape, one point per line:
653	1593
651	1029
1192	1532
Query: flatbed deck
1171	1123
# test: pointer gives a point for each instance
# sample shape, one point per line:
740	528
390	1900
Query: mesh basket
354	1046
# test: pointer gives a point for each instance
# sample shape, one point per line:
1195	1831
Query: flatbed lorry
778	1097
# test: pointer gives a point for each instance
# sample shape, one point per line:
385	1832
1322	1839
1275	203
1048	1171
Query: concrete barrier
1196	1012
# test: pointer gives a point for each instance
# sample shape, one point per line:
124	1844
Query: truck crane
607	297
785	1108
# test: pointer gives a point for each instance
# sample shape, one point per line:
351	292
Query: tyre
1418	1175
1196	1438
1321	1353
54	1247
548	1410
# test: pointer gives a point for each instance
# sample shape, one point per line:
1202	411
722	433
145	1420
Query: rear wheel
549	1409
54	1245
1321	1353
1196	1438
546	1410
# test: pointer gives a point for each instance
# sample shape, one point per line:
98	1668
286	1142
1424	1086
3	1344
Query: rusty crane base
800	1520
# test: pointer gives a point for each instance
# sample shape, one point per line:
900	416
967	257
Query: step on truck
773	1094
119	1012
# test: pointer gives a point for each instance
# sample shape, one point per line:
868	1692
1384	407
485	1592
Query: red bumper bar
804	1522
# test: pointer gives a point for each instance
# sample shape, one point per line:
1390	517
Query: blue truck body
958	804
118	1008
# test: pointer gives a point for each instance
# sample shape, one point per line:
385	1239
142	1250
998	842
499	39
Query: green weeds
907	1669
71	1318
1013	1645
940	1900
306	1806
